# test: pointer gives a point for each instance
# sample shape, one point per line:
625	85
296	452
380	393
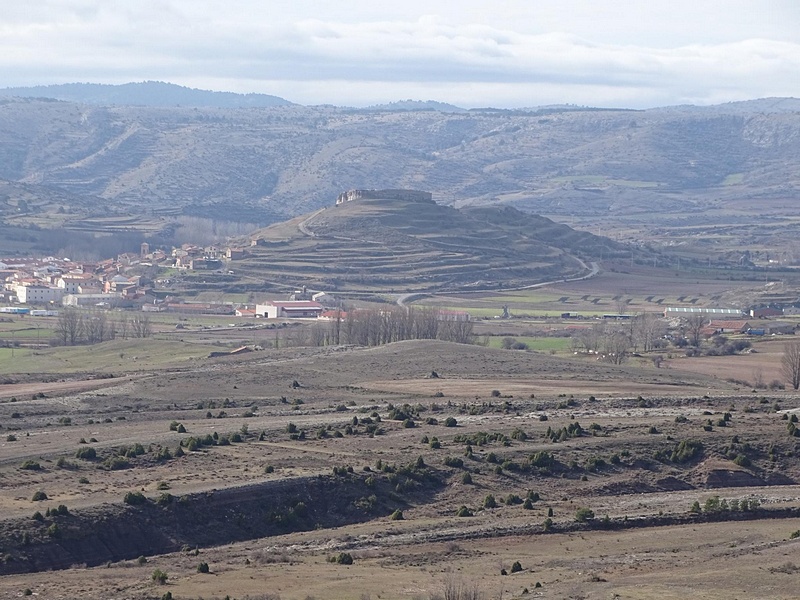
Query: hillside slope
387	244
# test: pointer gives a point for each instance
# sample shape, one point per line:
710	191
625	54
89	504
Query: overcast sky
517	53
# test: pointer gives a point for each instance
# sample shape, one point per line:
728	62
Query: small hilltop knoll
401	240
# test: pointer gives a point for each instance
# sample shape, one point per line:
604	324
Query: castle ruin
408	195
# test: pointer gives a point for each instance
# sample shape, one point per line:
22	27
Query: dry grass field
623	464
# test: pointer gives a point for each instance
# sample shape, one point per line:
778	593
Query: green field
113	356
538	344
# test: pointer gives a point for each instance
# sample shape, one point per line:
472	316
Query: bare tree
95	327
337	328
694	326
140	326
69	327
790	364
590	338
621	304
319	335
646	328
123	326
456	331
616	345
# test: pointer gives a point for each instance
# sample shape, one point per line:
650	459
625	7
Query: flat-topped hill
400	244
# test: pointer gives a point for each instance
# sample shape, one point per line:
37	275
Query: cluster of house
54	281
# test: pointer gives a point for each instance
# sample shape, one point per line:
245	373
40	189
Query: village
139	284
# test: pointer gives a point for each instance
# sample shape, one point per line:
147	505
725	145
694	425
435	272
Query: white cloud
628	53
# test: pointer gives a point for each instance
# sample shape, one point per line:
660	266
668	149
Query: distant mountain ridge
734	163
418	105
146	93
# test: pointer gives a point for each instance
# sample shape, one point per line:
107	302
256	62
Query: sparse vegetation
159	576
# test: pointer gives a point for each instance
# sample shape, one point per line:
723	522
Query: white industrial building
290	309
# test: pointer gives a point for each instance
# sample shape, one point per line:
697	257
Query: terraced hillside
398	245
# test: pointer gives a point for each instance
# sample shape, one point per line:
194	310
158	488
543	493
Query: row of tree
75	326
383	326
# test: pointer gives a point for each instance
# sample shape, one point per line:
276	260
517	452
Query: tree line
375	327
75	327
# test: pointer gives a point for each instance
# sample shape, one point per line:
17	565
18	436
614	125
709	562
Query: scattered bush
450	422
516	567
519	435
159	576
87	453
463	511
134	498
397	515
489	502
466	478
583	514
542	460
742	460
115	463
31	465
343	558
39	496
685	451
203	567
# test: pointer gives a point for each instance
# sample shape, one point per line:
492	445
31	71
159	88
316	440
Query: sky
472	53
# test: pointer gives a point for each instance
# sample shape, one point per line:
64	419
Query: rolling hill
388	244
